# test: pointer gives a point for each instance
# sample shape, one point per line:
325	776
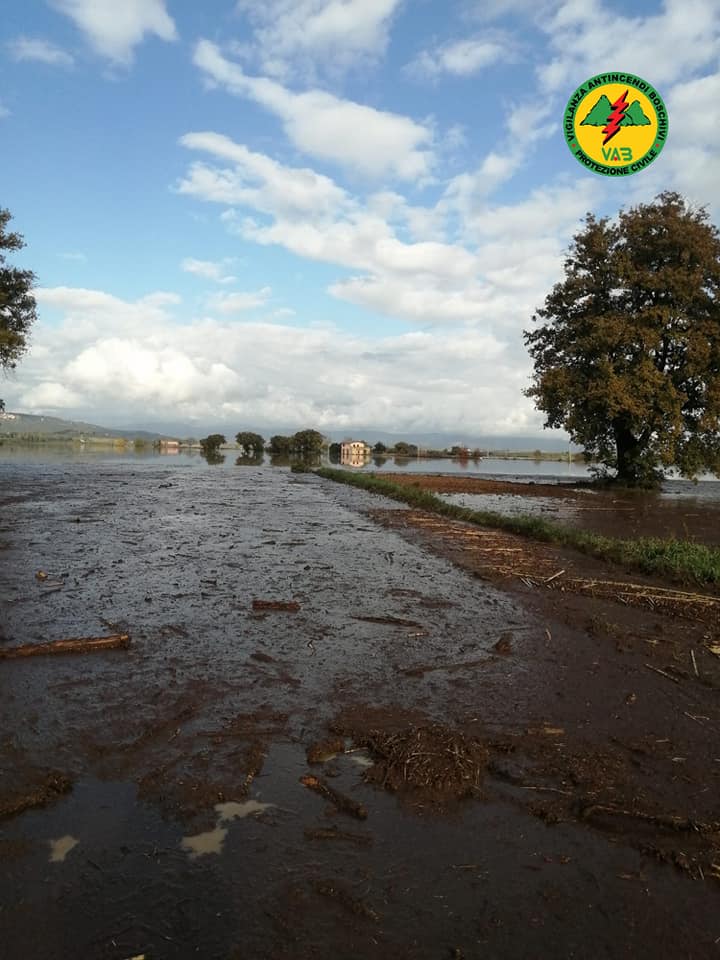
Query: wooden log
343	803
71	645
285	606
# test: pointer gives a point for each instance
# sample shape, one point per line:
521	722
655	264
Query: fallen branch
669	821
343	803
286	606
332	833
390	621
430	668
662	673
555	576
72	645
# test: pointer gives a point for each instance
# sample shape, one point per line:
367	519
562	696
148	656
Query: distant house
169	446
355	453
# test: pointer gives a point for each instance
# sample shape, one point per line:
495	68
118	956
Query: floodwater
683	511
187	832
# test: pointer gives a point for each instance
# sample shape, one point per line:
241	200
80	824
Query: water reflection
213	457
253	461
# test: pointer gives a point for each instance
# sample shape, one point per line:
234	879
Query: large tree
17	305
251	444
627	354
306	443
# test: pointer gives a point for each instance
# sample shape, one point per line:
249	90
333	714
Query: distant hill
24	423
27	423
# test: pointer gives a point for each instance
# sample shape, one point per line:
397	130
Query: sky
337	214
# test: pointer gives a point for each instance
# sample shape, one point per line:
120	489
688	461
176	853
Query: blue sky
329	213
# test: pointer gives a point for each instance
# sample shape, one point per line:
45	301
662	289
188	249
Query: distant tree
307	443
627	356
17	304
210	447
334	451
379	448
251	444
402	449
280	446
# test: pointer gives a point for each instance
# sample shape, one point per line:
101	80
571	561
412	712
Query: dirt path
539	767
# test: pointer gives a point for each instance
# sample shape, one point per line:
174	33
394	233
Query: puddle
60	848
212	841
238	811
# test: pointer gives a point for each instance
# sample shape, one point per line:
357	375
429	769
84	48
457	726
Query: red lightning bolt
616	116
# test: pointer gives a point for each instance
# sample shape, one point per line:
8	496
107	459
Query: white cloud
258	181
297	377
41	51
310	215
311	36
115	27
74	255
462	58
227	303
494	279
209	269
689	162
359	138
591	38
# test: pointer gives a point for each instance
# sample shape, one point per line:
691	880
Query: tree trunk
628	447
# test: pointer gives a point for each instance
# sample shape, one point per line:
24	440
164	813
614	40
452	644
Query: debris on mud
433	758
390	621
283	606
71	645
325	750
327	888
504	644
54	786
332	833
343	803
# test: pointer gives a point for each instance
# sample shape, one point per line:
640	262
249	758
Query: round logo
615	124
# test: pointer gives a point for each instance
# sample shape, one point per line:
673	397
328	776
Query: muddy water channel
228	784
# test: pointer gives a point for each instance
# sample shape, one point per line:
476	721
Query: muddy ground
437	745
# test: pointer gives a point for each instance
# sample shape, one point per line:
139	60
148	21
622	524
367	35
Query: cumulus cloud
327	127
114	28
40	51
262	374
494	278
589	37
317	36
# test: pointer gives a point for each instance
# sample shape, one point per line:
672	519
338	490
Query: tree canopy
627	354
17	305
213	442
252	444
306	442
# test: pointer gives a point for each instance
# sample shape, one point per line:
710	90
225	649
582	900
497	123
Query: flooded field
686	515
334	733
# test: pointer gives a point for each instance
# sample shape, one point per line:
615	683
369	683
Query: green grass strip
676	559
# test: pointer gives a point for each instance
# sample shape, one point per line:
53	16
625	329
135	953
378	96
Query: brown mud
538	765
